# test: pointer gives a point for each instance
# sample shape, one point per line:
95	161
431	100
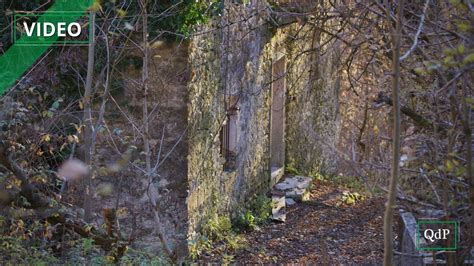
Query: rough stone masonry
232	65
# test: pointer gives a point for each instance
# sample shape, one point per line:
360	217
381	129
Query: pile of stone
289	191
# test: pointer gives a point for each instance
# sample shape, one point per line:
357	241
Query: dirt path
321	230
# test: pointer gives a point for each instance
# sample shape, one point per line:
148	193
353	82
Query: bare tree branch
418	31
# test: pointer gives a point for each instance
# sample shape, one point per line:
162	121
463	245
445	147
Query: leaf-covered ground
321	230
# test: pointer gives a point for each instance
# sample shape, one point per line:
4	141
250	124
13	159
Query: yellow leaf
122	212
78	128
121	13
449	165
73	139
419	70
350	200
46	138
87	228
96	6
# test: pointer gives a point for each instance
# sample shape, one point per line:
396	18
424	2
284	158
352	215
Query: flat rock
278	208
279	216
278	203
295	187
289	201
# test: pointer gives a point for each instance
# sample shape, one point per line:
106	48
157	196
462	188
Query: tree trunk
89	128
468	132
388	217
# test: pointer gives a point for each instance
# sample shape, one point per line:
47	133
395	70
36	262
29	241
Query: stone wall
214	78
312	127
237	61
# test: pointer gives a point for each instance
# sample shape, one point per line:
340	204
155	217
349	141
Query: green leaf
460	171
464	26
448	51
419	70
470	101
448	60
468	59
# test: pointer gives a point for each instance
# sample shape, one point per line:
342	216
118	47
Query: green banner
24	53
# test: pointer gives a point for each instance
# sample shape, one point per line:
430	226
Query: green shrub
291	169
258	212
261	208
350	198
351	182
16	251
217	228
216	234
245	221
137	257
198	245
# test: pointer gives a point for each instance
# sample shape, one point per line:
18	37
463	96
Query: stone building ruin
262	94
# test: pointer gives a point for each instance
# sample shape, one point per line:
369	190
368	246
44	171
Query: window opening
229	135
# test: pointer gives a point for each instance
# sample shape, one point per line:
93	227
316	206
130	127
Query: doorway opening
277	119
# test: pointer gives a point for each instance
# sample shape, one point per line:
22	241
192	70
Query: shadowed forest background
92	139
